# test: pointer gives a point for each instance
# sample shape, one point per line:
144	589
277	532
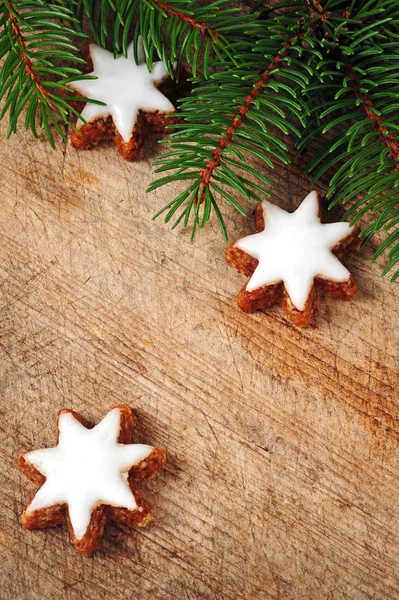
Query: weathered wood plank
282	480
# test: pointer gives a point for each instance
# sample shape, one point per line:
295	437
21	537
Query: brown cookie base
57	514
266	296
101	129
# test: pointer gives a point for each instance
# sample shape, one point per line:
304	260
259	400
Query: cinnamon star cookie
291	257
132	102
90	477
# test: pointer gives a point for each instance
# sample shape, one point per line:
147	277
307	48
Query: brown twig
201	25
316	9
368	107
237	121
29	69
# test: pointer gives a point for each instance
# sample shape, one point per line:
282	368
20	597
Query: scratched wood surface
283	478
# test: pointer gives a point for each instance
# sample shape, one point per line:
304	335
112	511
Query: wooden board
283	478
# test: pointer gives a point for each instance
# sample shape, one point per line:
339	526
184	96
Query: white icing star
124	86
295	248
88	467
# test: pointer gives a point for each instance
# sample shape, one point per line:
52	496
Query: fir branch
359	89
240	118
315	9
371	112
29	68
185	18
36	45
217	154
184	29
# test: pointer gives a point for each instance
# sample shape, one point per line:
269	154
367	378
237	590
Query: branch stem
369	109
29	68
207	173
316	9
201	25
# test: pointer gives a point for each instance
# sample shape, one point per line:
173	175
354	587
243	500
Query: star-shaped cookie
290	257
90	477
132	101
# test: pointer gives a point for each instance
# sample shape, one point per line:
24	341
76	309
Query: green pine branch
175	31
342	72
237	114
355	101
36	42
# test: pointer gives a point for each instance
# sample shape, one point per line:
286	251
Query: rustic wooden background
283	476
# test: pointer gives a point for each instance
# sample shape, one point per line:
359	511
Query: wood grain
283	475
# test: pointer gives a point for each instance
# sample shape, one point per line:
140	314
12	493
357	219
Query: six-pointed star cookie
91	476
132	101
290	256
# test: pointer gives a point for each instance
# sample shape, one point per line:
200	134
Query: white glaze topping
88	467
124	86
295	248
